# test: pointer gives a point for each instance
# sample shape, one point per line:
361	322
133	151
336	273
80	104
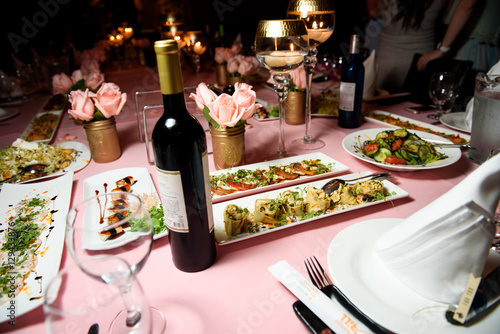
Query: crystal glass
319	17
281	45
77	302
113	224
441	90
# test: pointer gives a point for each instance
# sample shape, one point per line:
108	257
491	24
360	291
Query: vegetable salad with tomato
401	147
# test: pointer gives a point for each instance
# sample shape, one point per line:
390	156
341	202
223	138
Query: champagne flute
319	17
116	224
441	90
281	45
75	301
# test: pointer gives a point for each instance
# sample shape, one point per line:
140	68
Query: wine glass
196	44
326	64
117	224
75	301
441	90
7	84
281	45
319	17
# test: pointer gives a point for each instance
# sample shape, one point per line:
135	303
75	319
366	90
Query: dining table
237	294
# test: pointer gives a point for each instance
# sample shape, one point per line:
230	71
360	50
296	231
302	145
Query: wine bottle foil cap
355	41
169	67
166	46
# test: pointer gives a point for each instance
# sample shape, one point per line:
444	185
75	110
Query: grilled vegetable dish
401	147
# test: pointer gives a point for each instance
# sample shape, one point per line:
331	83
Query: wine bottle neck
169	67
174	104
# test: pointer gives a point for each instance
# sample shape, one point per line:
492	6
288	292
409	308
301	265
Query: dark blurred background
56	27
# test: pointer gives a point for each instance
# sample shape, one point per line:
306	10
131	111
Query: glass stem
281	83
309	65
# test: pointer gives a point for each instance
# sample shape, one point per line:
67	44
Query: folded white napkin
434	250
470	106
370	75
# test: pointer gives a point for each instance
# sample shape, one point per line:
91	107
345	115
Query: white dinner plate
434	128
337	168
249	202
355	140
456	121
106	182
8	113
366	281
28	129
50	251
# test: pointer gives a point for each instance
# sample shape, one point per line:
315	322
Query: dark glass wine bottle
351	87
180	152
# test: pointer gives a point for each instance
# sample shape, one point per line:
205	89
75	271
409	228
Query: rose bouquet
88	106
298	80
226	110
222	55
241	66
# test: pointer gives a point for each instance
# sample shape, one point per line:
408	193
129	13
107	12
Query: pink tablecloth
238	294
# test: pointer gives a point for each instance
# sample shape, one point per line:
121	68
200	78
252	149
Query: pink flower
204	96
81	105
110	100
94	80
88	66
236	49
248	66
76	76
299	77
227	110
61	83
232	65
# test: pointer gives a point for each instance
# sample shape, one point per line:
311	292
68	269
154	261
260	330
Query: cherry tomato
371	149
395	160
396	144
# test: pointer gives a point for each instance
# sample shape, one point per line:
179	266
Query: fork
320	279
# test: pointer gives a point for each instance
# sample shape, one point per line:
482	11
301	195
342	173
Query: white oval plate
456	121
366	281
356	139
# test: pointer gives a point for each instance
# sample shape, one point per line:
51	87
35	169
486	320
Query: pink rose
94	80
225	111
88	66
232	65
236	49
76	76
204	96
61	83
245	97
219	55
299	77
81	105
247	66
109	99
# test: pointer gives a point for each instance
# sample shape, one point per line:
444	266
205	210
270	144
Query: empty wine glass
116	224
79	303
441	90
281	45
319	17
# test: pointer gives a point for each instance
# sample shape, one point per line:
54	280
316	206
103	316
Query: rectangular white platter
338	167
249	203
413	121
28	129
50	252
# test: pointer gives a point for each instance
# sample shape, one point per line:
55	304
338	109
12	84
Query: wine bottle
351	87
181	159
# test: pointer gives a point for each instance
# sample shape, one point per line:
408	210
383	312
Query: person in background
407	27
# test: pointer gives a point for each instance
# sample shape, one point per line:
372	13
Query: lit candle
278	59
318	35
198	48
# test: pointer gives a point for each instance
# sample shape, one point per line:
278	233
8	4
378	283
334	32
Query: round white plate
456	121
365	280
8	113
354	140
82	159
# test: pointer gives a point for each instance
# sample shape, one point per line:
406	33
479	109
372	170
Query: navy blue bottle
351	87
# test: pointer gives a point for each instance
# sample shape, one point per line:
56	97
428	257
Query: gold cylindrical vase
295	108
234	80
221	74
103	140
228	146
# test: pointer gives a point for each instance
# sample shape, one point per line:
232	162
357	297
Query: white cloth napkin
370	75
434	250
470	106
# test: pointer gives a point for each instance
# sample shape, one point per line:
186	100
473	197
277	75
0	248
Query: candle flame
291	46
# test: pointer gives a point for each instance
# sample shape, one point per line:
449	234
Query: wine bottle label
172	199
208	191
347	92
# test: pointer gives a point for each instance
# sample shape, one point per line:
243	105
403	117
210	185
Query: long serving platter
392	192
336	168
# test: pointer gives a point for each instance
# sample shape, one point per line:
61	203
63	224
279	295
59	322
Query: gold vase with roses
296	98
97	111
239	67
227	115
222	55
